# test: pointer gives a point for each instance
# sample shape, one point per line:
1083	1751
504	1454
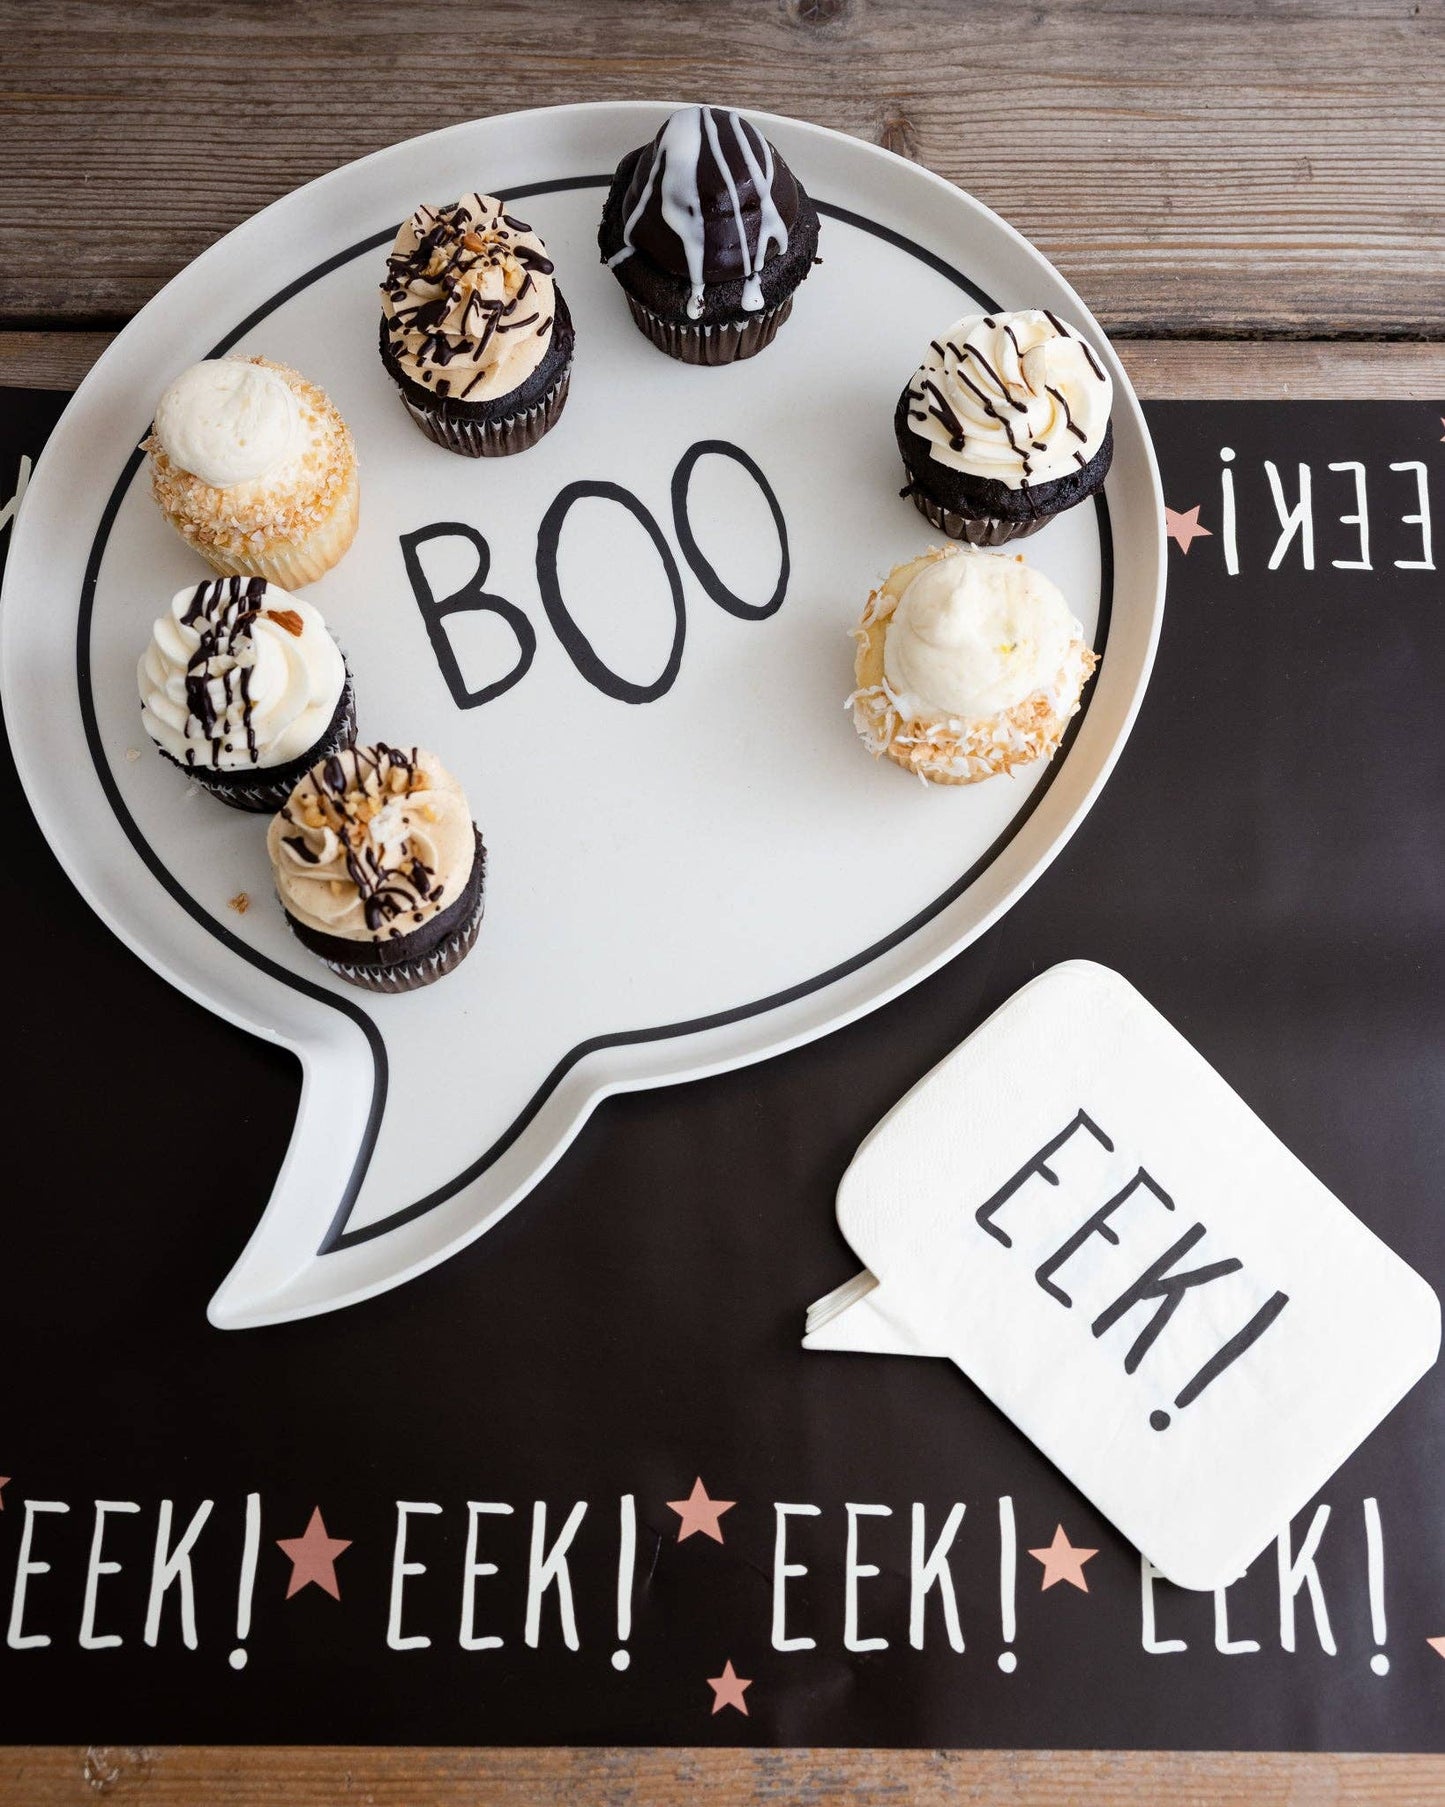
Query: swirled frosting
1018	398
974	635
228	421
712	201
372	843
239	674
468	299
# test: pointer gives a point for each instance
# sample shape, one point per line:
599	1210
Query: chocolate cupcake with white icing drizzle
1004	425
379	867
709	233
244	689
474	330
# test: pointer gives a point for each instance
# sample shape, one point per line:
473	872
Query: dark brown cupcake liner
977	530
426	969
707	341
260	789
493	438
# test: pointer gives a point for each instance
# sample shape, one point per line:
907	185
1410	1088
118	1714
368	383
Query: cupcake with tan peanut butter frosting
968	664
379	866
1004	425
474	330
254	468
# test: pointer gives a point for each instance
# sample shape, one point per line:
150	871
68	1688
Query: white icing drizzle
675	157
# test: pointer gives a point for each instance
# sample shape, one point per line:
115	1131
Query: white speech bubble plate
1077	1210
675	885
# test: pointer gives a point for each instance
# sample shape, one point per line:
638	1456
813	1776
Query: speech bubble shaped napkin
1077	1210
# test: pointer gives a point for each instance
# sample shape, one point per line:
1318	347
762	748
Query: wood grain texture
238	1777
1158	368
1193	166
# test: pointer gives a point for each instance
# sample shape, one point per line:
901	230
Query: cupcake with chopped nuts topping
253	466
474	331
243	688
1004	425
969	663
379	866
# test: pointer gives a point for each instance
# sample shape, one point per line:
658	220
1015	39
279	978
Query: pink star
1062	1562
728	1689
313	1557
4	1483
699	1513
1437	1645
1182	526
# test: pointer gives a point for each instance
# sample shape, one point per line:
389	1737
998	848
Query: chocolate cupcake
1004	425
474	331
243	687
255	469
709	233
379	867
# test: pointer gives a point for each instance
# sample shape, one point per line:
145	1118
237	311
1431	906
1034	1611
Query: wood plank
258	1777
1192	166
40	360
1160	368
1296	370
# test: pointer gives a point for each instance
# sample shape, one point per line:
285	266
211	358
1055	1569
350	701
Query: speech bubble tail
281	1272
854	1318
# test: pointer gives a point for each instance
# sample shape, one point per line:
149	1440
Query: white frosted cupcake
254	468
1004	425
379	867
243	687
969	663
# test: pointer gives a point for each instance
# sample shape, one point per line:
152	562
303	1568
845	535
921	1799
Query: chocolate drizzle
1083	344
349	790
1000	398
1069	421
944	414
435	311
222	611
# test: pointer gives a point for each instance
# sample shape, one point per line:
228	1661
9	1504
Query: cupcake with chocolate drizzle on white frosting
1004	425
254	468
969	664
379	866
474	330
243	688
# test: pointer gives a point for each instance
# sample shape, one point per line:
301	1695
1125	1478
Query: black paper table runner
1267	865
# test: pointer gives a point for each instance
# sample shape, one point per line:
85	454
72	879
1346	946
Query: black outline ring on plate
338	1236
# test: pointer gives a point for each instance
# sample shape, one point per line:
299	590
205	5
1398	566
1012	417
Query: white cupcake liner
292	564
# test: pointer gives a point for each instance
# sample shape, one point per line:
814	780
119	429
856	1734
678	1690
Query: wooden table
1252	200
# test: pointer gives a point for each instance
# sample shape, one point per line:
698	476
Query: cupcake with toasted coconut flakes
969	664
254	468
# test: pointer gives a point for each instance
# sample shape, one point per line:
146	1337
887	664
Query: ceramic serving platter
630	643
